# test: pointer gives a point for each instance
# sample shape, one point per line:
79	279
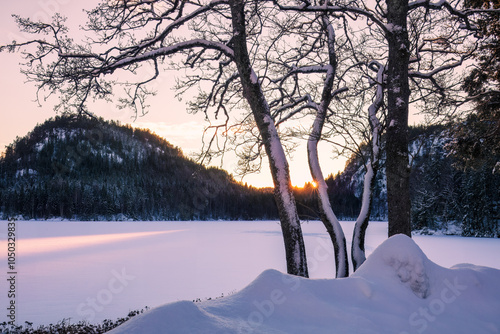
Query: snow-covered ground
101	270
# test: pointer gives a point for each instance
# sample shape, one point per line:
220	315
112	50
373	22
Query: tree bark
290	223
398	93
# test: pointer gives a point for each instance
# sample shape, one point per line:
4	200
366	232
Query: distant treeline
88	169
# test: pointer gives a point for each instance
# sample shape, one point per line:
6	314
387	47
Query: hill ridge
87	168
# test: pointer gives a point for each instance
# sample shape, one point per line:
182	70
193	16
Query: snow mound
399	258
397	290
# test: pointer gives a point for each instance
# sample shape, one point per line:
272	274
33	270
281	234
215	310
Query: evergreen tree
478	137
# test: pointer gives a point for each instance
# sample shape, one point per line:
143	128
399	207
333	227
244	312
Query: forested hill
85	168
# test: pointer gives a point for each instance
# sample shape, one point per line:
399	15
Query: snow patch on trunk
277	155
357	253
400	102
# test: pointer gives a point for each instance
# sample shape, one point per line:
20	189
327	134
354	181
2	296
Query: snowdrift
397	290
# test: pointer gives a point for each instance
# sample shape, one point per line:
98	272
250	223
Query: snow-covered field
102	270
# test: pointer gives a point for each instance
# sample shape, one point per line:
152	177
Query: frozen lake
102	270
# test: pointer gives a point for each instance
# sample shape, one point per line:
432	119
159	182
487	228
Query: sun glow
43	245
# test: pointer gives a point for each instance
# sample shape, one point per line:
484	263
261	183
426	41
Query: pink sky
167	116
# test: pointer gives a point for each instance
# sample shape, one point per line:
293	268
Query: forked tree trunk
358	239
327	215
398	93
290	223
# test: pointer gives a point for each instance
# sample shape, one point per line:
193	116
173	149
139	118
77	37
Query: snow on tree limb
166	51
327	7
358	239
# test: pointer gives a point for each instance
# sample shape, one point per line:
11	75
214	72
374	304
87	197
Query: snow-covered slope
397	290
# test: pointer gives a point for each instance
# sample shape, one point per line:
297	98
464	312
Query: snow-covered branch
463	14
372	166
166	51
329	8
450	8
429	75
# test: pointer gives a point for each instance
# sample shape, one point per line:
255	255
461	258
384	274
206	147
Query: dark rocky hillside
446	198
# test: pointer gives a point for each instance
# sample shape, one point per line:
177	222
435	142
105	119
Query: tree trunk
290	223
328	217
398	93
358	239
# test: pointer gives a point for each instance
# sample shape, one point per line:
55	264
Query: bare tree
130	35
294	77
372	166
390	19
252	91
308	78
326	212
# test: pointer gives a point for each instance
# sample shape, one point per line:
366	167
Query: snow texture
397	290
91	271
22	172
400	102
277	155
253	78
393	28
357	253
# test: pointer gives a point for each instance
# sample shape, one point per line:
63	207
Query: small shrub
65	327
